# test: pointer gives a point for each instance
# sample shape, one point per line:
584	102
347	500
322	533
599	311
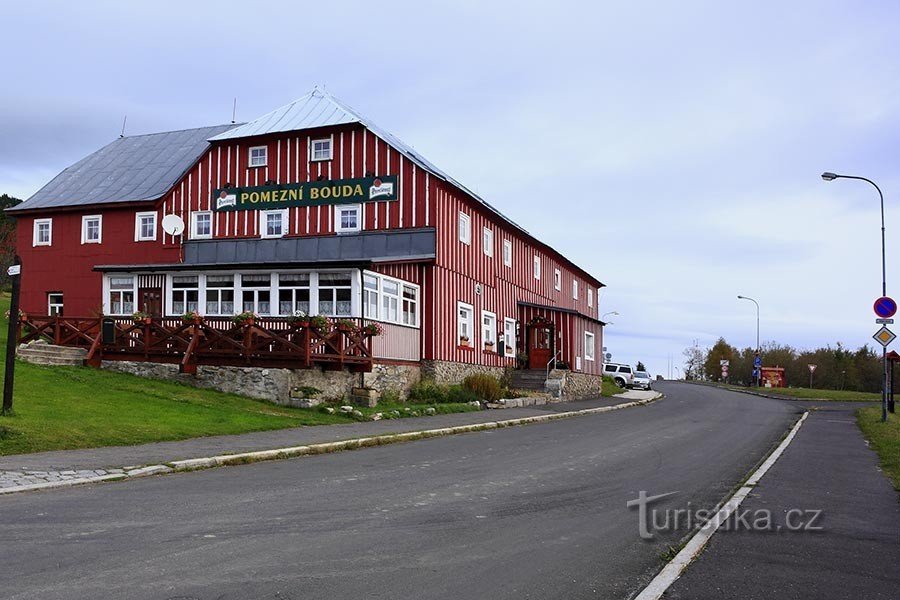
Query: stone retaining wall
581	385
275	385
448	373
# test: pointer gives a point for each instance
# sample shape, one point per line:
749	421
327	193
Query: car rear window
624	369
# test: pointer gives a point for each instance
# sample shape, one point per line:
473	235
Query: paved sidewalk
827	467
75	465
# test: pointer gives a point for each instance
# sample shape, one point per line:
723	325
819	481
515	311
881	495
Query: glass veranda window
410	306
390	300
335	296
220	294
370	296
256	293
185	293
293	294
121	295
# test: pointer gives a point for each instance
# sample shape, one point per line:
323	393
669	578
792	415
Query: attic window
320	149
258	156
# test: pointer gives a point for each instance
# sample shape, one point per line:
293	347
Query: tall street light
831	177
755	368
612	312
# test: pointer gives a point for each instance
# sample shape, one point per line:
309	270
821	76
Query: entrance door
150	301
540	346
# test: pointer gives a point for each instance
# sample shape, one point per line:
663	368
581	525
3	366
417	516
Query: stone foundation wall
445	372
581	385
275	385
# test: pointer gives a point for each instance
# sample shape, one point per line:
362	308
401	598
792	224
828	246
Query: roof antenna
125	120
234	110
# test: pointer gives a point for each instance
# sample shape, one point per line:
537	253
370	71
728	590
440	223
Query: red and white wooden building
310	208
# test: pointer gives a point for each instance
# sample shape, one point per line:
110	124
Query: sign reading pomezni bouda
311	193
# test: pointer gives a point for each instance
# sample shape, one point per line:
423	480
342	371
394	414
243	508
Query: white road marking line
673	570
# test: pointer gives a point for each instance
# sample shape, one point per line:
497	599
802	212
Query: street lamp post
757	369
612	312
884	384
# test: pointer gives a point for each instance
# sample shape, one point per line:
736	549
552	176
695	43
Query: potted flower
489	346
299	318
245	318
320	323
346	325
192	316
464	341
141	317
22	315
372	329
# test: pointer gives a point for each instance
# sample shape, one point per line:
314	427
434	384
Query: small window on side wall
507	253
273	223
201	225
258	156
589	346
55	303
91	229
487	239
557	280
537	266
348	219
145	227
465	228
320	149
43	232
464	324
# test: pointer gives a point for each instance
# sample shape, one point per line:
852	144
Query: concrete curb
222	460
675	567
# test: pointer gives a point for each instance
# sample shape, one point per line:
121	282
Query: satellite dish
173	224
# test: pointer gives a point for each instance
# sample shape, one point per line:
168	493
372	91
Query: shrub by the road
486	387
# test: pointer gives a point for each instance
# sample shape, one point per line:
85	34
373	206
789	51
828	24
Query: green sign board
312	193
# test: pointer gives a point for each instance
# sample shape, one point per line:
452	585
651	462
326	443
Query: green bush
389	397
457	393
484	386
609	387
427	391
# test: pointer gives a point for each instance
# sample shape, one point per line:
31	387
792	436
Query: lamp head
827	176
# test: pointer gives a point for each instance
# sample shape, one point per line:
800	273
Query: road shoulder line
675	567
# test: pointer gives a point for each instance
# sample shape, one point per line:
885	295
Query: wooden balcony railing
219	341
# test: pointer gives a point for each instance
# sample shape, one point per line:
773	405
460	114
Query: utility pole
12	337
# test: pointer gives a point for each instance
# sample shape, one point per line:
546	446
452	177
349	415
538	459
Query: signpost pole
12	337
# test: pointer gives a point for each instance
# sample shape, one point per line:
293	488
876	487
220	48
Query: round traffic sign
885	307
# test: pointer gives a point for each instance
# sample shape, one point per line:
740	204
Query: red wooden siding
355	151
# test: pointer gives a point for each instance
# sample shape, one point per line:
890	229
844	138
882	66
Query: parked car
623	375
642	380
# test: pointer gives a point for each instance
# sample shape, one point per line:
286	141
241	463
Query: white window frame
194	223
265	158
537	267
509	337
203	300
575	289
294	288
487	240
138	226
590	343
60	306
590	297
507	253
84	228
488	330
312	148
376	297
557	279
35	241
338	227
108	303
464	224
263	223
468	322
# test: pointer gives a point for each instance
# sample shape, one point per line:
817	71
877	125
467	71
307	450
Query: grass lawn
884	439
609	387
817	394
57	408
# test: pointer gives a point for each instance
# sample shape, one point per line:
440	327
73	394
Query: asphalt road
525	512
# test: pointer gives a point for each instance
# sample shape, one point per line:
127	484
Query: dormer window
258	156
320	149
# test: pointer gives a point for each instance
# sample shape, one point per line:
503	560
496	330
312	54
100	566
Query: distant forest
837	367
7	238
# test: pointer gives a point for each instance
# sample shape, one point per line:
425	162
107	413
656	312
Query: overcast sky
671	149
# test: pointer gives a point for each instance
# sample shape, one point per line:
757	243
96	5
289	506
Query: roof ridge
179	130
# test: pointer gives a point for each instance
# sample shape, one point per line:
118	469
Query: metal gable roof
321	109
130	169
